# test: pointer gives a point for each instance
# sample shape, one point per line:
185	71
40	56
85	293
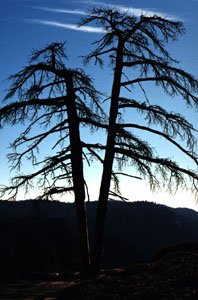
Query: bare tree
55	99
59	99
136	48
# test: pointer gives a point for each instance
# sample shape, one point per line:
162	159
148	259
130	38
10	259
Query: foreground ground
173	274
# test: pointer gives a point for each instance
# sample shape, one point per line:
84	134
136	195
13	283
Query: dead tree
55	100
136	48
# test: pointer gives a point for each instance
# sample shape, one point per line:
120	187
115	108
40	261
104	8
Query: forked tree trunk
107	168
78	177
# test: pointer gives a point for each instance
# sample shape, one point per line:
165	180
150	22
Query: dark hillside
42	236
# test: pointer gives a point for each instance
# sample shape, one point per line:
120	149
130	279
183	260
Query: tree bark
78	177
108	165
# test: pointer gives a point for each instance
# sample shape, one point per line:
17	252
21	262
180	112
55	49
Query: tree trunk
78	177
107	168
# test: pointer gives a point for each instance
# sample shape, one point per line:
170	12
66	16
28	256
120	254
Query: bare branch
128	175
193	156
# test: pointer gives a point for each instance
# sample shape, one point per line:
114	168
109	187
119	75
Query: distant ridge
133	233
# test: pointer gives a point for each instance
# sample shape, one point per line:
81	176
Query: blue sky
31	24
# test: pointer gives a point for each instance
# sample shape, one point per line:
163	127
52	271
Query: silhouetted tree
54	100
54	97
136	48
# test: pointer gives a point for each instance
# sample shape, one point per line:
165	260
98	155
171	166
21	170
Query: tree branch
163	135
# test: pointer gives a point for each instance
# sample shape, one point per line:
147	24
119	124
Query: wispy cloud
60	10
90	29
134	11
124	9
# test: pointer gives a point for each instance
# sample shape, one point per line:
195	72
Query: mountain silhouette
42	235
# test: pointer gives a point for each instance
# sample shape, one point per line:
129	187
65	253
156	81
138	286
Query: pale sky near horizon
31	24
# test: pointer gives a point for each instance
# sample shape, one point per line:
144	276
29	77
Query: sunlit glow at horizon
140	191
134	191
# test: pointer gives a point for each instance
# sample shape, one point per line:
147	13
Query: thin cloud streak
135	11
67	26
59	10
124	9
